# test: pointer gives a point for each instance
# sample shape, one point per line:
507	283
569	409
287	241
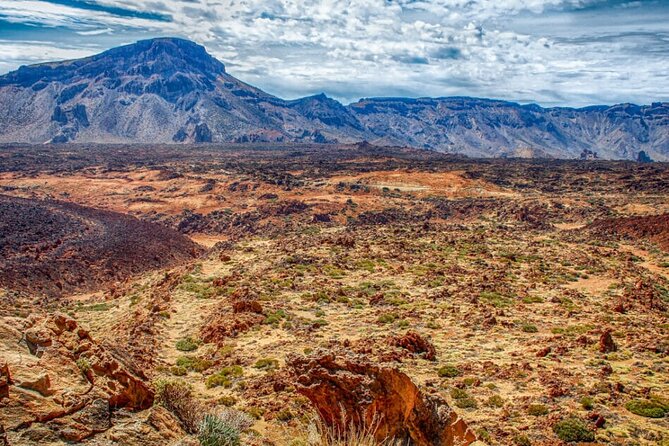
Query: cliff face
170	90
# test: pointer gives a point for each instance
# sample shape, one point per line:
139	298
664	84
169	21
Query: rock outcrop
416	344
346	389
606	342
64	386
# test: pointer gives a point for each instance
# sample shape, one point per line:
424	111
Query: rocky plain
309	294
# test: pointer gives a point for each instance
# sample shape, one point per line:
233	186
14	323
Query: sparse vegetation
448	371
647	408
177	397
187	344
573	430
225	377
511	269
266	364
537	410
224	428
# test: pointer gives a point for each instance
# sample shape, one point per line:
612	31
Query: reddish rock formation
346	388
247	306
606	343
416	344
645	295
544	352
5	381
64	384
244	313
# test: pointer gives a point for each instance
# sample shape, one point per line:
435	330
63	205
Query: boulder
415	343
5	381
64	385
346	389
606	342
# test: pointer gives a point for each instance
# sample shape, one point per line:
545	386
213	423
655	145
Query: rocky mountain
171	90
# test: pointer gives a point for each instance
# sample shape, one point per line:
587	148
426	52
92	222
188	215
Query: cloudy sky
554	52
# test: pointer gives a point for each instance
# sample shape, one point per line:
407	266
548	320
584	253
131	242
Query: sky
552	52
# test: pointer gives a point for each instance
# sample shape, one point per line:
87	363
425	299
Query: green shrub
521	440
387	318
573	430
448	371
470	381
495	299
83	365
227	401
483	435
459	394
647	408
218	380
215	432
529	328
275	317
187	344
495	401
466	403
587	403
255	412
266	364
537	410
178	371
193	364
224	377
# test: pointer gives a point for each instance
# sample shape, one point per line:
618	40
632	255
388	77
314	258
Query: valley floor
541	304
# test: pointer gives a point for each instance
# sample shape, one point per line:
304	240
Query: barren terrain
522	294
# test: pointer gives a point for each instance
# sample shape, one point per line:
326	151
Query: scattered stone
606	343
415	343
544	352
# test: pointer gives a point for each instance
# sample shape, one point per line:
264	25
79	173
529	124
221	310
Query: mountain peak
163	56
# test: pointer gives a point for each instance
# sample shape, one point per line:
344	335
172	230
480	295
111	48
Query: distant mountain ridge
170	90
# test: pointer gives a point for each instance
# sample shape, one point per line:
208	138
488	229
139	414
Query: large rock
5	381
345	389
64	386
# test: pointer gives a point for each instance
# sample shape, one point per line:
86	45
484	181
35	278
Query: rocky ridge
170	90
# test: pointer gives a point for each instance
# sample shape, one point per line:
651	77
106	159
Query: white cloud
553	51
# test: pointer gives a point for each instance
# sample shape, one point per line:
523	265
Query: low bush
224	428
176	396
187	344
448	371
495	401
573	430
387	318
266	364
193	364
529	328
647	408
466	403
225	377
587	403
537	410
459	394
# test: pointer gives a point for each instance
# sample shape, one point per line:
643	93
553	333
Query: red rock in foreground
346	388
64	386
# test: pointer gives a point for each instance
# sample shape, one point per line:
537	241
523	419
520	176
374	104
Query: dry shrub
177	397
318	433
